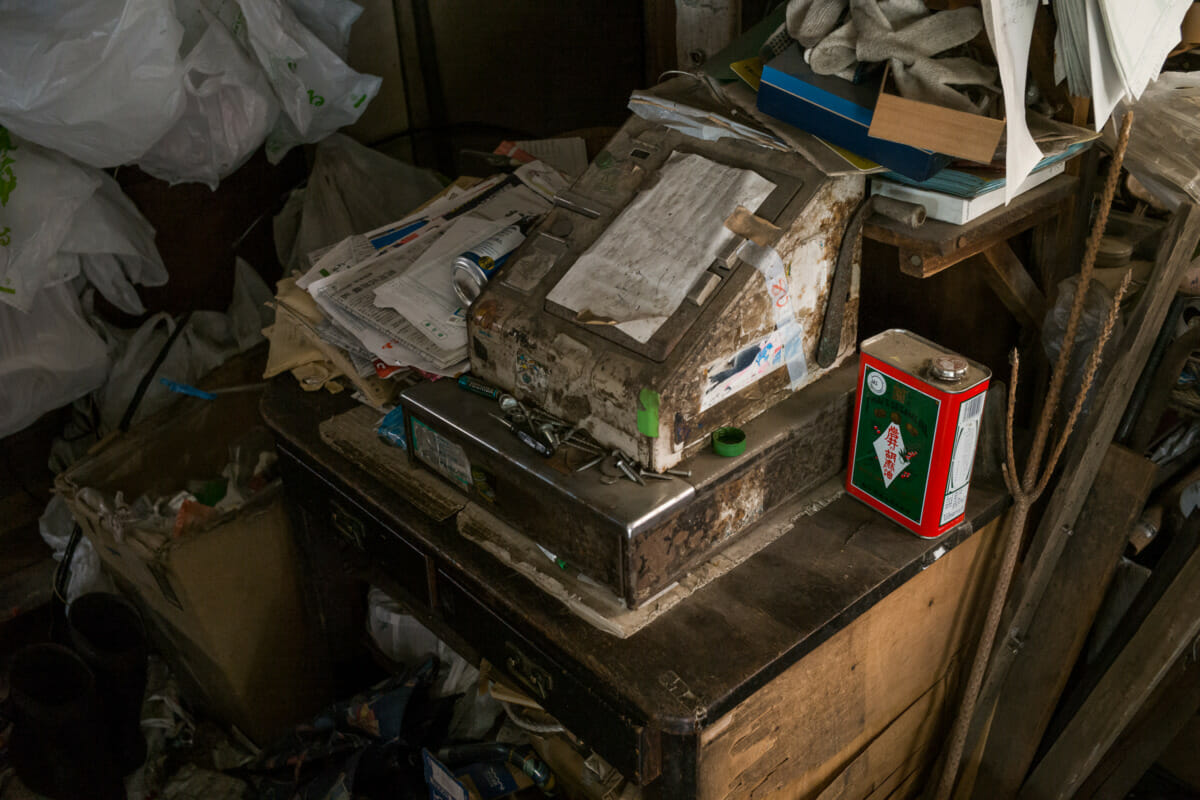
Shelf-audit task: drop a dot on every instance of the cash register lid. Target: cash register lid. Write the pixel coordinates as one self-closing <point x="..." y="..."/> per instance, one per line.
<point x="717" y="273"/>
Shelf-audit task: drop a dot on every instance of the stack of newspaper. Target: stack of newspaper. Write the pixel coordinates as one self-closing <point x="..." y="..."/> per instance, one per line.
<point x="1111" y="49"/>
<point x="388" y="294"/>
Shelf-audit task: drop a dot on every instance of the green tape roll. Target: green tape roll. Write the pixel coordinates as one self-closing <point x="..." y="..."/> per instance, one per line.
<point x="729" y="442"/>
<point x="647" y="413"/>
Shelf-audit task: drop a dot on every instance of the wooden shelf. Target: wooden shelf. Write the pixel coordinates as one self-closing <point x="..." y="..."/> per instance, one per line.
<point x="936" y="245"/>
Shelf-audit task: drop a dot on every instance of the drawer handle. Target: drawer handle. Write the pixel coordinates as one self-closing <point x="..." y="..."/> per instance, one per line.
<point x="530" y="675"/>
<point x="346" y="524"/>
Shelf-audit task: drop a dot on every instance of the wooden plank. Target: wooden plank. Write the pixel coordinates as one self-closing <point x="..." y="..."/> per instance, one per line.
<point x="1085" y="453"/>
<point x="1007" y="277"/>
<point x="1161" y="382"/>
<point x="1163" y="638"/>
<point x="899" y="752"/>
<point x="1173" y="705"/>
<point x="938" y="245"/>
<point x="1180" y="546"/>
<point x="1179" y="758"/>
<point x="704" y="29"/>
<point x="1060" y="627"/>
<point x="799" y="732"/>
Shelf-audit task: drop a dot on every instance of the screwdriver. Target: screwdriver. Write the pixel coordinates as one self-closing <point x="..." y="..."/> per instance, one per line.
<point x="541" y="448"/>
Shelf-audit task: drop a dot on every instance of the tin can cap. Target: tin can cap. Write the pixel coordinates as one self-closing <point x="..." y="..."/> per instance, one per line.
<point x="948" y="368"/>
<point x="729" y="442"/>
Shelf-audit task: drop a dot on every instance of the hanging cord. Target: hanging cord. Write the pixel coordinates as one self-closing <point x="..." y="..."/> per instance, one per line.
<point x="62" y="576"/>
<point x="144" y="384"/>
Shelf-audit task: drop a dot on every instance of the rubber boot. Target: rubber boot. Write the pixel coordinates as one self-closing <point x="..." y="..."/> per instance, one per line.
<point x="107" y="633"/>
<point x="60" y="745"/>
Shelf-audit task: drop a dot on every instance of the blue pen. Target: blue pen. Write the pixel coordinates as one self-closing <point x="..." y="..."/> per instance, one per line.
<point x="389" y="237"/>
<point x="192" y="391"/>
<point x="183" y="388"/>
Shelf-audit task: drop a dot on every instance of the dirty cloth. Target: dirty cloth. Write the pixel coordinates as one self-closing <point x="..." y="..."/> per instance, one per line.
<point x="902" y="33"/>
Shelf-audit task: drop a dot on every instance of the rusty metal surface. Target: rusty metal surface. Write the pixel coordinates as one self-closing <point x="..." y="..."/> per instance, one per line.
<point x="729" y="507"/>
<point x="634" y="539"/>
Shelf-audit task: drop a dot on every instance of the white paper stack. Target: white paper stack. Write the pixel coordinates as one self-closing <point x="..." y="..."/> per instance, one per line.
<point x="388" y="294"/>
<point x="1111" y="49"/>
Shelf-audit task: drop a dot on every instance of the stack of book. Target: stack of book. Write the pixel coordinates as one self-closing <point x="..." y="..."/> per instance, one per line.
<point x="958" y="196"/>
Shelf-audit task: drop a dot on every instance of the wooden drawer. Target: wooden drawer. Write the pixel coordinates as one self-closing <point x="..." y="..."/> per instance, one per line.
<point x="624" y="742"/>
<point x="366" y="542"/>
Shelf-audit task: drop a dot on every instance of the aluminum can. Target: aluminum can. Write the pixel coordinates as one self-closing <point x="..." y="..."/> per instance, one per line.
<point x="916" y="423"/>
<point x="475" y="267"/>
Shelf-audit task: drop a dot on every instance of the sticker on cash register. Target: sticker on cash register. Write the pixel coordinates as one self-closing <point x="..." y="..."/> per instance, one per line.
<point x="440" y="454"/>
<point x="726" y="377"/>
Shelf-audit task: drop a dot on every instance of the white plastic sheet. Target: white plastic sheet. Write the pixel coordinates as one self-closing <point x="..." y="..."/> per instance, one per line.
<point x="211" y="337"/>
<point x="318" y="91"/>
<point x="228" y="110"/>
<point x="59" y="219"/>
<point x="48" y="357"/>
<point x="40" y="191"/>
<point x="351" y="189"/>
<point x="99" y="81"/>
<point x="115" y="246"/>
<point x="330" y="20"/>
<point x="86" y="574"/>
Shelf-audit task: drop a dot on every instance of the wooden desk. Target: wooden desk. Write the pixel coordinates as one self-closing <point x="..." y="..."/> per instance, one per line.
<point x="819" y="667"/>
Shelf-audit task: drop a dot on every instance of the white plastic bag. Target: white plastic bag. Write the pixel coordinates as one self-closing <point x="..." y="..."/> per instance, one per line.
<point x="405" y="640"/>
<point x="330" y="20"/>
<point x="228" y="109"/>
<point x="48" y="357"/>
<point x="40" y="191"/>
<point x="210" y="338"/>
<point x="86" y="573"/>
<point x="318" y="91"/>
<point x="59" y="219"/>
<point x="115" y="246"/>
<point x="351" y="189"/>
<point x="99" y="81"/>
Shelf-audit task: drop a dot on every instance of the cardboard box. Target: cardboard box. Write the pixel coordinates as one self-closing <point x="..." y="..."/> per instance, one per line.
<point x="223" y="605"/>
<point x="913" y="138"/>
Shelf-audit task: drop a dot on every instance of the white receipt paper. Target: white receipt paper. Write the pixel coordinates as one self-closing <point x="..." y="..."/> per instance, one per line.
<point x="640" y="270"/>
<point x="1009" y="25"/>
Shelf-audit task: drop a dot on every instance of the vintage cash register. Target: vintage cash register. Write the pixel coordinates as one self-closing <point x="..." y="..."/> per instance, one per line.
<point x="678" y="287"/>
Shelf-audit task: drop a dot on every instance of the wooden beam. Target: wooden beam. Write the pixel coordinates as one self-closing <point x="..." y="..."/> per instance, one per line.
<point x="1161" y="383"/>
<point x="1085" y="453"/>
<point x="1163" y="639"/>
<point x="1183" y="543"/>
<point x="1149" y="735"/>
<point x="1007" y="277"/>
<point x="1060" y="627"/>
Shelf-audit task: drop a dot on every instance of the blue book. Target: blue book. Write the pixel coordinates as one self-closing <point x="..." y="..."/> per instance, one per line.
<point x="839" y="112"/>
<point x="970" y="183"/>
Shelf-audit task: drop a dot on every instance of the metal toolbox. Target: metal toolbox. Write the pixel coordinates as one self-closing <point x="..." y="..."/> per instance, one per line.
<point x="635" y="540"/>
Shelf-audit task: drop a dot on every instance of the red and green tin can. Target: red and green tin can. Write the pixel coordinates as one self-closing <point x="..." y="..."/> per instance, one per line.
<point x="916" y="423"/>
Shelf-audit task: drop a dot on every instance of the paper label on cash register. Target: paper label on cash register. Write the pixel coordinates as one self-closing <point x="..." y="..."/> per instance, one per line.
<point x="442" y="455"/>
<point x="639" y="271"/>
